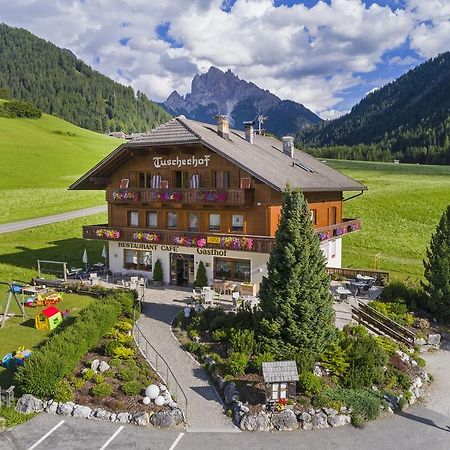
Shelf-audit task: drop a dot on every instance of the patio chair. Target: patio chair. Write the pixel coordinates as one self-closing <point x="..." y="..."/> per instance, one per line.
<point x="209" y="298"/>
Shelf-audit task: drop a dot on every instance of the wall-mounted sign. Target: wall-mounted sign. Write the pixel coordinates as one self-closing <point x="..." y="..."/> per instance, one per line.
<point x="213" y="239"/>
<point x="159" y="161"/>
<point x="170" y="248"/>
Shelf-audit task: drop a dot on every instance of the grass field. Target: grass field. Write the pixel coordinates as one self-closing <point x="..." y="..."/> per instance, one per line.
<point x="399" y="211"/>
<point x="40" y="159"/>
<point x="20" y="332"/>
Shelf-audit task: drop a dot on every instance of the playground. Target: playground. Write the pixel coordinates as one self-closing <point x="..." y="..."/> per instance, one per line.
<point x="31" y="330"/>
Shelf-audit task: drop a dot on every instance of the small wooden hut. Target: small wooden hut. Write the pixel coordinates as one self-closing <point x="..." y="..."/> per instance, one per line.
<point x="280" y="378"/>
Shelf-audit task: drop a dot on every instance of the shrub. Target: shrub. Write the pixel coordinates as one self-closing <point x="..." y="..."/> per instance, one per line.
<point x="131" y="388"/>
<point x="220" y="335"/>
<point x="336" y="360"/>
<point x="99" y="378"/>
<point x="201" y="280"/>
<point x="411" y="295"/>
<point x="62" y="351"/>
<point x="126" y="374"/>
<point x="260" y="358"/>
<point x="236" y="364"/>
<point x="158" y="272"/>
<point x="101" y="390"/>
<point x="123" y="326"/>
<point x="78" y="383"/>
<point x="115" y="362"/>
<point x="192" y="347"/>
<point x="243" y="341"/>
<point x="193" y="332"/>
<point x="367" y="360"/>
<point x="110" y="346"/>
<point x="310" y="384"/>
<point x="89" y="374"/>
<point x="63" y="392"/>
<point x="387" y="344"/>
<point x="124" y="352"/>
<point x="396" y="378"/>
<point x="396" y="311"/>
<point x="16" y="108"/>
<point x="14" y="418"/>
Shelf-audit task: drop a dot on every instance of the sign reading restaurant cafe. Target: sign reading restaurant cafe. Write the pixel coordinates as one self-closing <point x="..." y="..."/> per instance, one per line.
<point x="170" y="248"/>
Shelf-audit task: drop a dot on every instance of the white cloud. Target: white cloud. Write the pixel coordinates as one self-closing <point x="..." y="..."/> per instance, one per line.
<point x="311" y="55"/>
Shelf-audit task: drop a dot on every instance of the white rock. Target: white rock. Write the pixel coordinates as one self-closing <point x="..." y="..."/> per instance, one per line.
<point x="95" y="364"/>
<point x="81" y="411"/>
<point x="152" y="391"/>
<point x="162" y="388"/>
<point x="123" y="417"/>
<point x="104" y="366"/>
<point x="146" y="400"/>
<point x="417" y="383"/>
<point x="434" y="339"/>
<point x="159" y="401"/>
<point x="403" y="356"/>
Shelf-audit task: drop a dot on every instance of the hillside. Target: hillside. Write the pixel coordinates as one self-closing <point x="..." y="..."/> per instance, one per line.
<point x="408" y="119"/>
<point x="34" y="70"/>
<point x="216" y="92"/>
<point x="40" y="158"/>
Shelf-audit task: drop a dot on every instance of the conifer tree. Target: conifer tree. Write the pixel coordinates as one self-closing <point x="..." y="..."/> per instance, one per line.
<point x="201" y="280"/>
<point x="437" y="270"/>
<point x="296" y="304"/>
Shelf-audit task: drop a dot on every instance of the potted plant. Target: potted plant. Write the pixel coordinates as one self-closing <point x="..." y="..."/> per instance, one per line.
<point x="201" y="280"/>
<point x="158" y="273"/>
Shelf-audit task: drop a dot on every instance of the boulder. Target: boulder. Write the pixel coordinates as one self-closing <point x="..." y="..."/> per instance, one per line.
<point x="307" y="426"/>
<point x="417" y="383"/>
<point x="162" y="388"/>
<point x="239" y="410"/>
<point x="146" y="401"/>
<point x="66" y="409"/>
<point x="173" y="405"/>
<point x="319" y="420"/>
<point x="304" y="417"/>
<point x="329" y="411"/>
<point x="95" y="364"/>
<point x="419" y="341"/>
<point x="417" y="392"/>
<point x="317" y="370"/>
<point x="231" y="393"/>
<point x="285" y="420"/>
<point x="423" y="374"/>
<point x="104" y="366"/>
<point x="167" y="419"/>
<point x="167" y="397"/>
<point x="434" y="339"/>
<point x="102" y="414"/>
<point x="403" y="356"/>
<point x="52" y="407"/>
<point x="256" y="422"/>
<point x="29" y="404"/>
<point x="339" y="420"/>
<point x="113" y="417"/>
<point x="123" y="417"/>
<point x="81" y="411"/>
<point x="141" y="418"/>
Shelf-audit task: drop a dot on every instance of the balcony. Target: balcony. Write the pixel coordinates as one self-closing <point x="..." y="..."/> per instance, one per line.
<point x="338" y="230"/>
<point x="247" y="243"/>
<point x="234" y="197"/>
<point x="258" y="244"/>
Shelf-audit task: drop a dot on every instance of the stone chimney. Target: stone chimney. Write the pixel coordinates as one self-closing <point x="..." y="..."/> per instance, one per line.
<point x="288" y="146"/>
<point x="223" y="126"/>
<point x="248" y="126"/>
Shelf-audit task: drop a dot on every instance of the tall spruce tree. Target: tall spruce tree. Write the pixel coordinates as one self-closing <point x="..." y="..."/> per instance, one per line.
<point x="437" y="270"/>
<point x="296" y="304"/>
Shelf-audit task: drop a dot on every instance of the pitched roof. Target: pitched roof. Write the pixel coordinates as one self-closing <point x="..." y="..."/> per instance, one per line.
<point x="279" y="371"/>
<point x="264" y="159"/>
<point x="50" y="311"/>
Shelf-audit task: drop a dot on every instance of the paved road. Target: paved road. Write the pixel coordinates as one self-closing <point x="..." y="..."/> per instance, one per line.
<point x="38" y="221"/>
<point x="418" y="428"/>
<point x="438" y="364"/>
<point x="205" y="410"/>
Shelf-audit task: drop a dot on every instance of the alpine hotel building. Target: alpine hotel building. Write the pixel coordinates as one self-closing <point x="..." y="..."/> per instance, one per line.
<point x="188" y="192"/>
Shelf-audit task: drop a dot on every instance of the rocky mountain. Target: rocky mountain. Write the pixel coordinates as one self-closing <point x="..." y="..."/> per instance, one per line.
<point x="217" y="92"/>
<point x="55" y="80"/>
<point x="407" y="119"/>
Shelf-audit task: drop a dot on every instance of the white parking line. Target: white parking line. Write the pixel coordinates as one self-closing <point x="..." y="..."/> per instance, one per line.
<point x="112" y="438"/>
<point x="176" y="441"/>
<point x="46" y="435"/>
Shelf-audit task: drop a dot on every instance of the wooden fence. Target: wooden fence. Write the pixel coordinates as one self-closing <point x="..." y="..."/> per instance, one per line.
<point x="382" y="278"/>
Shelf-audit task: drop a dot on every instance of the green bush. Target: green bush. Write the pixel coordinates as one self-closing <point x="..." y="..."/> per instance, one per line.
<point x="110" y="346"/>
<point x="101" y="390"/>
<point x="365" y="403"/>
<point x="201" y="280"/>
<point x="89" y="374"/>
<point x="123" y="326"/>
<point x="243" y="341"/>
<point x="15" y="108"/>
<point x="124" y="352"/>
<point x="413" y="296"/>
<point x="14" y="418"/>
<point x="193" y="332"/>
<point x="132" y="388"/>
<point x="127" y="374"/>
<point x="158" y="272"/>
<point x="310" y="384"/>
<point x="63" y="392"/>
<point x="115" y="362"/>
<point x="62" y="351"/>
<point x="260" y="358"/>
<point x="236" y="363"/>
<point x="192" y="347"/>
<point x="220" y="335"/>
<point x="396" y="311"/>
<point x="387" y="344"/>
<point x="395" y="378"/>
<point x="336" y="360"/>
<point x="99" y="378"/>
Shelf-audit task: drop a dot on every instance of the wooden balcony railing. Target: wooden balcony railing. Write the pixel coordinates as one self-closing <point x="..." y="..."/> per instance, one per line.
<point x="258" y="244"/>
<point x="238" y="197"/>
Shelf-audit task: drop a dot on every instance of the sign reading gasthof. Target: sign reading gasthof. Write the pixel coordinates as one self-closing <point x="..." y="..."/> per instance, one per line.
<point x="192" y="161"/>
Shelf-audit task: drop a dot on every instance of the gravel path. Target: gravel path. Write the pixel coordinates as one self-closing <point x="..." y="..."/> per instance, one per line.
<point x="205" y="408"/>
<point x="438" y="364"/>
<point x="38" y="221"/>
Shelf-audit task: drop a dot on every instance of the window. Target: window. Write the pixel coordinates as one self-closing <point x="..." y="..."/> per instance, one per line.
<point x="137" y="260"/>
<point x="195" y="181"/>
<point x="172" y="220"/>
<point x="237" y="222"/>
<point x="145" y="180"/>
<point x="221" y="179"/>
<point x="232" y="269"/>
<point x="152" y="219"/>
<point x="193" y="221"/>
<point x="181" y="179"/>
<point x="279" y="390"/>
<point x="214" y="222"/>
<point x="332" y="213"/>
<point x="133" y="218"/>
<point x="313" y="215"/>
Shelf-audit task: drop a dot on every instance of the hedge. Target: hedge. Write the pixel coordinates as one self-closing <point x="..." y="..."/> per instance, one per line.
<point x="60" y="354"/>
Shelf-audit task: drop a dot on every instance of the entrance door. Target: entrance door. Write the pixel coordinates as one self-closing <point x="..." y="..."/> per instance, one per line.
<point x="181" y="269"/>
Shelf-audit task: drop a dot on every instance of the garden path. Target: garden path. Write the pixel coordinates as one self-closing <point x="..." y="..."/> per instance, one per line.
<point x="205" y="408"/>
<point x="438" y="364"/>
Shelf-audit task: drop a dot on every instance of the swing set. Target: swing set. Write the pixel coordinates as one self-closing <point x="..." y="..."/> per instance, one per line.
<point x="13" y="290"/>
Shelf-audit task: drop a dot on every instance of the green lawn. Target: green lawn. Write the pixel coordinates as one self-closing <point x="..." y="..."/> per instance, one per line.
<point x="399" y="211"/>
<point x="19" y="332"/>
<point x="40" y="159"/>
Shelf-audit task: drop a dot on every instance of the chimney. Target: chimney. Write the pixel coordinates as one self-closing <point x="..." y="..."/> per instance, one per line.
<point x="288" y="146"/>
<point x="223" y="129"/>
<point x="248" y="126"/>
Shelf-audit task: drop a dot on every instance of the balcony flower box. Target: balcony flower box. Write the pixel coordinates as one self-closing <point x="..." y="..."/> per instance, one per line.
<point x="236" y="243"/>
<point x="190" y="241"/>
<point x="211" y="196"/>
<point x="128" y="196"/>
<point x="146" y="237"/>
<point x="105" y="233"/>
<point x="165" y="196"/>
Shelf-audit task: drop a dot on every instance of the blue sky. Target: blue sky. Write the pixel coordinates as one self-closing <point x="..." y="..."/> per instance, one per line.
<point x="326" y="54"/>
